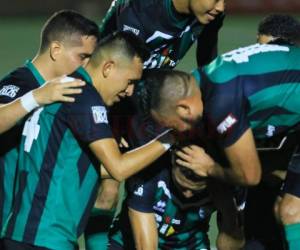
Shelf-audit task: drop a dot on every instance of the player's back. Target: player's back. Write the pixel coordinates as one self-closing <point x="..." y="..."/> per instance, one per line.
<point x="263" y="81"/>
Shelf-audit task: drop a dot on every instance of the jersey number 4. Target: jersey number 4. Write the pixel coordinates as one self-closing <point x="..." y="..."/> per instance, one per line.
<point x="31" y="129"/>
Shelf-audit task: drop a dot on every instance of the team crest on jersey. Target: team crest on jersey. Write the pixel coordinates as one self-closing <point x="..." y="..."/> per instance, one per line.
<point x="160" y="206"/>
<point x="99" y="114"/>
<point x="9" y="90"/>
<point x="226" y="124"/>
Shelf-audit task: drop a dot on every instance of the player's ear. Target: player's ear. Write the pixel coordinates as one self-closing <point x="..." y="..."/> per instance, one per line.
<point x="183" y="108"/>
<point x="107" y="68"/>
<point x="55" y="50"/>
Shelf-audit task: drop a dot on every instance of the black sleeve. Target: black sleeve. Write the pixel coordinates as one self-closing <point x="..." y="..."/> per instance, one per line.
<point x="87" y="117"/>
<point x="226" y="112"/>
<point x="141" y="193"/>
<point x="16" y="84"/>
<point x="207" y="42"/>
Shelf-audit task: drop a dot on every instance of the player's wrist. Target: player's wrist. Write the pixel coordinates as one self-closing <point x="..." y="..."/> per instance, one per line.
<point x="29" y="102"/>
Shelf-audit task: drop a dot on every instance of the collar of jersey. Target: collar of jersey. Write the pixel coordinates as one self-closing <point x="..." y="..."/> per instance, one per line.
<point x="85" y="75"/>
<point x="35" y="72"/>
<point x="196" y="73"/>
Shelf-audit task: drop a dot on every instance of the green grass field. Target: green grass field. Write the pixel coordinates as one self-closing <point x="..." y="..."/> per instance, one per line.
<point x="20" y="39"/>
<point x="20" y="36"/>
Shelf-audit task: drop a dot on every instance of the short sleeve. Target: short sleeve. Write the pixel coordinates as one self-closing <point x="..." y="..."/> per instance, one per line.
<point x="141" y="194"/>
<point x="87" y="117"/>
<point x="225" y="110"/>
<point x="16" y="84"/>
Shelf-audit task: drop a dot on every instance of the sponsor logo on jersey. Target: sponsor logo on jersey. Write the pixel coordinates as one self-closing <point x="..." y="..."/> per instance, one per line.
<point x="160" y="206"/>
<point x="163" y="228"/>
<point x="176" y="221"/>
<point x="170" y="231"/>
<point x="270" y="130"/>
<point x="163" y="185"/>
<point x="9" y="90"/>
<point x="158" y="218"/>
<point x="226" y="124"/>
<point x="139" y="191"/>
<point x="99" y="114"/>
<point x="133" y="30"/>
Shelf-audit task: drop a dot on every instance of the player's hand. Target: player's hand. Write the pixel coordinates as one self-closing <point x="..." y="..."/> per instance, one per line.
<point x="195" y="158"/>
<point x="57" y="90"/>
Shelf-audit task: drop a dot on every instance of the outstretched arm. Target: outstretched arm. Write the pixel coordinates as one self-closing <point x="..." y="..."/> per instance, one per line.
<point x="52" y="91"/>
<point x="121" y="166"/>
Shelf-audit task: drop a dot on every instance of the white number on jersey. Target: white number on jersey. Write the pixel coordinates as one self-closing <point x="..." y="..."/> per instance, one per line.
<point x="31" y="129"/>
<point x="242" y="55"/>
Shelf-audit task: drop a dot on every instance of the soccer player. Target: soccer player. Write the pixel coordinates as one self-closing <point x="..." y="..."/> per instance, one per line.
<point x="274" y="160"/>
<point x="67" y="41"/>
<point x="170" y="208"/>
<point x="252" y="92"/>
<point x="62" y="147"/>
<point x="53" y="91"/>
<point x="169" y="28"/>
<point x="279" y="26"/>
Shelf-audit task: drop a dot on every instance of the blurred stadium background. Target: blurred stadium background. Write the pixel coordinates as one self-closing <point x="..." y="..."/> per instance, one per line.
<point x="21" y="21"/>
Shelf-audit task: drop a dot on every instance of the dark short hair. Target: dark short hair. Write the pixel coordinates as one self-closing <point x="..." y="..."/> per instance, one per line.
<point x="125" y="43"/>
<point x="281" y="26"/>
<point x="63" y="25"/>
<point x="163" y="87"/>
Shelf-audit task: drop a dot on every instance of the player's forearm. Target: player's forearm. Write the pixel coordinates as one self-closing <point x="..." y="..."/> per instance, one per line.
<point x="229" y="175"/>
<point x="10" y="114"/>
<point x="134" y="161"/>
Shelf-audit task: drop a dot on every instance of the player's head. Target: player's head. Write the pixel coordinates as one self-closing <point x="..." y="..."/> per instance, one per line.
<point x="185" y="180"/>
<point x="68" y="39"/>
<point x="174" y="98"/>
<point x="279" y="26"/>
<point x="206" y="10"/>
<point x="116" y="64"/>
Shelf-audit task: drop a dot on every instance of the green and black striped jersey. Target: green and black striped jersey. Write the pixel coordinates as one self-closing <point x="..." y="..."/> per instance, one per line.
<point x="58" y="177"/>
<point x="182" y="223"/>
<point x="14" y="85"/>
<point x="254" y="87"/>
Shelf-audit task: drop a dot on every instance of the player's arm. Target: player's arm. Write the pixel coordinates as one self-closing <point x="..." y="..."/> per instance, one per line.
<point x="121" y="166"/>
<point x="207" y="42"/>
<point x="144" y="229"/>
<point x="245" y="168"/>
<point x="53" y="91"/>
<point x="230" y="235"/>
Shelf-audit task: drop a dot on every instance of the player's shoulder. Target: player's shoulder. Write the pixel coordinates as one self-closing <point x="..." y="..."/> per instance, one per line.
<point x="89" y="93"/>
<point x="18" y="80"/>
<point x="21" y="75"/>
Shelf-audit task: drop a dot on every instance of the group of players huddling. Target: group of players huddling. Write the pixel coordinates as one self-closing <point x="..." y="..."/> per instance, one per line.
<point x="223" y="138"/>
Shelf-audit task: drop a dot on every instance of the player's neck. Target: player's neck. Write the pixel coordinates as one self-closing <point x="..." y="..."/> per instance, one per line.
<point x="181" y="6"/>
<point x="44" y="67"/>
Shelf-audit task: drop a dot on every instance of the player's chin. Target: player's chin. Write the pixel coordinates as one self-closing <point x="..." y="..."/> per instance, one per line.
<point x="208" y="18"/>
